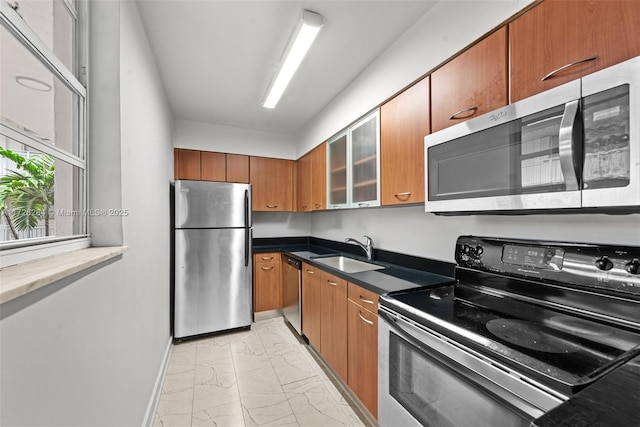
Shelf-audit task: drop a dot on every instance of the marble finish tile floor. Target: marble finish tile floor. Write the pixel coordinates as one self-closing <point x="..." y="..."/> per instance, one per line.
<point x="259" y="377"/>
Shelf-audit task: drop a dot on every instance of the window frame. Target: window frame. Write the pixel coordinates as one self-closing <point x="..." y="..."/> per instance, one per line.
<point x="17" y="251"/>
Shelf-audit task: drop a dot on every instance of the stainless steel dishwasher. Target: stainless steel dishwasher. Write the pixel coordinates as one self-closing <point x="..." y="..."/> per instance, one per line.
<point x="292" y="292"/>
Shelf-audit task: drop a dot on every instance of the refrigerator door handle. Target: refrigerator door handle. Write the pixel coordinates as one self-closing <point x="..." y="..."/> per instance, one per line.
<point x="247" y="212"/>
<point x="247" y="245"/>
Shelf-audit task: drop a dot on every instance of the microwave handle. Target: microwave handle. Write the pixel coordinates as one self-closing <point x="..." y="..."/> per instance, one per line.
<point x="570" y="151"/>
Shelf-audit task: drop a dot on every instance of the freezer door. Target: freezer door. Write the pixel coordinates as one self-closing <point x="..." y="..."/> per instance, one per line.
<point x="213" y="289"/>
<point x="202" y="204"/>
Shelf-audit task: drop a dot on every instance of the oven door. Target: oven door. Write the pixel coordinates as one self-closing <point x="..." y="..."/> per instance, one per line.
<point x="424" y="379"/>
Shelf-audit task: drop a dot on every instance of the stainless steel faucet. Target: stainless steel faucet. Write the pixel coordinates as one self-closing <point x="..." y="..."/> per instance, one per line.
<point x="368" y="247"/>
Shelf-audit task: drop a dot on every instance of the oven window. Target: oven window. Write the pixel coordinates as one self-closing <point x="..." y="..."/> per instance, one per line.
<point x="438" y="396"/>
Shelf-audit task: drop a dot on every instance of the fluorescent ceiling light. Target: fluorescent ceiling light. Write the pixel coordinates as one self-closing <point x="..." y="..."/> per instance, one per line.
<point x="299" y="44"/>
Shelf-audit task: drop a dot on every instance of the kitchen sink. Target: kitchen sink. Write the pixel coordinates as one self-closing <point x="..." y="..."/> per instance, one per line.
<point x="346" y="264"/>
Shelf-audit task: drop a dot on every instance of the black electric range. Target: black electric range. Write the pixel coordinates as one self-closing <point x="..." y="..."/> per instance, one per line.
<point x="563" y="315"/>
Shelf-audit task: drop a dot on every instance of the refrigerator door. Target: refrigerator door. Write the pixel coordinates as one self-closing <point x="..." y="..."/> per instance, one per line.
<point x="213" y="280"/>
<point x="202" y="204"/>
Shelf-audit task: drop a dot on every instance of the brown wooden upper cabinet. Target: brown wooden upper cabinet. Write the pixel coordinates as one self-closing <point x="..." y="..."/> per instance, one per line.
<point x="186" y="164"/>
<point x="404" y="121"/>
<point x="237" y="168"/>
<point x="319" y="177"/>
<point x="213" y="166"/>
<point x="303" y="184"/>
<point x="471" y="84"/>
<point x="272" y="181"/>
<point x="209" y="166"/>
<point x="561" y="40"/>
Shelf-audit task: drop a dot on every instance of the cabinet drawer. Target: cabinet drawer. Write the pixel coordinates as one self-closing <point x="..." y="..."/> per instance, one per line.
<point x="363" y="297"/>
<point x="267" y="257"/>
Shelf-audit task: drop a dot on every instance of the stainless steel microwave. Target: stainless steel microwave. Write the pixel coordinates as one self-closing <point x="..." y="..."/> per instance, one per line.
<point x="573" y="146"/>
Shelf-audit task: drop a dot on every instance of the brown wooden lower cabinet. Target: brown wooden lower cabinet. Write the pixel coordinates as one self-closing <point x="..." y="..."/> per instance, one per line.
<point x="267" y="291"/>
<point x="333" y="323"/>
<point x="339" y="320"/>
<point x="311" y="283"/>
<point x="362" y="355"/>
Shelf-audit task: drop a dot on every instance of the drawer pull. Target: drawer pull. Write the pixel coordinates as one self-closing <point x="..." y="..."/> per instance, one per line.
<point x="363" y="205"/>
<point x="267" y="268"/>
<point x="365" y="320"/>
<point x="272" y="206"/>
<point x="564" y="67"/>
<point x="267" y="258"/>
<point x="332" y="283"/>
<point x="311" y="272"/>
<point x="368" y="301"/>
<point x="406" y="195"/>
<point x="469" y="112"/>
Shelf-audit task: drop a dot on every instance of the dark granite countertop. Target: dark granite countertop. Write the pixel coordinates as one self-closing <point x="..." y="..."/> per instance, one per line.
<point x="614" y="400"/>
<point x="393" y="277"/>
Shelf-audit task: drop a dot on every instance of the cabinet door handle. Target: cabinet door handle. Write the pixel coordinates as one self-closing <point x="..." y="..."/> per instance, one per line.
<point x="363" y="319"/>
<point x="267" y="258"/>
<point x="470" y="112"/>
<point x="272" y="206"/>
<point x="401" y="195"/>
<point x="318" y="205"/>
<point x="304" y="208"/>
<point x="572" y="64"/>
<point x="368" y="301"/>
<point x="311" y="272"/>
<point x="267" y="268"/>
<point x="363" y="205"/>
<point x="332" y="283"/>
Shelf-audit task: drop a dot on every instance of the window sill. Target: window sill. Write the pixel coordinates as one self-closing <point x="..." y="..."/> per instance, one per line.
<point x="26" y="277"/>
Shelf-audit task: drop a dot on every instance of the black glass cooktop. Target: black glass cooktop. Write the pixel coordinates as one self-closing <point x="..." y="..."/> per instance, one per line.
<point x="564" y="351"/>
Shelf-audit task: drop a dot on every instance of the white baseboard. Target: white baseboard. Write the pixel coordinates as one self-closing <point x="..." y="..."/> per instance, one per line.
<point x="152" y="406"/>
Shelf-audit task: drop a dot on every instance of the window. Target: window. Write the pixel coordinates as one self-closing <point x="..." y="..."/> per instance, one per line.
<point x="42" y="121"/>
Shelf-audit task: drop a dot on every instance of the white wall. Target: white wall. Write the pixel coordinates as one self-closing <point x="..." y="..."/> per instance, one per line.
<point x="87" y="349"/>
<point x="228" y="139"/>
<point x="445" y="30"/>
<point x="281" y="224"/>
<point x="411" y="230"/>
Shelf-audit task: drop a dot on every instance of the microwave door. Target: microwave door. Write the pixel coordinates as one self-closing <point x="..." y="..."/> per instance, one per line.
<point x="611" y="112"/>
<point x="509" y="159"/>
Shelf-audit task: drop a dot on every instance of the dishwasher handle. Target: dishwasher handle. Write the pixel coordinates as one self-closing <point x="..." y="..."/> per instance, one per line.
<point x="294" y="263"/>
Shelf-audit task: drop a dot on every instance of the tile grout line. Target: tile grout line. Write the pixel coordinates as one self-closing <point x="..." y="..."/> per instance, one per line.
<point x="274" y="370"/>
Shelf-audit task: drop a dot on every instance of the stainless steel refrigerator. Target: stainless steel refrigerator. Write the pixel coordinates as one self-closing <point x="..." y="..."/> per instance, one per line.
<point x="213" y="268"/>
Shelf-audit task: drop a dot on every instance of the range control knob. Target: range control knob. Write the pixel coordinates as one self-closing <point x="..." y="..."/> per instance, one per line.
<point x="604" y="263"/>
<point x="479" y="250"/>
<point x="466" y="249"/>
<point x="633" y="267"/>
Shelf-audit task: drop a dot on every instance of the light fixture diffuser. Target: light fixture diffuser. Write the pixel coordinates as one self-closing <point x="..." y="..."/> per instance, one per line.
<point x="299" y="44"/>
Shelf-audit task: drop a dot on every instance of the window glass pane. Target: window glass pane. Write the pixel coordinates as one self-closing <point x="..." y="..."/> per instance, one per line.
<point x="54" y="25"/>
<point x="34" y="100"/>
<point x="41" y="195"/>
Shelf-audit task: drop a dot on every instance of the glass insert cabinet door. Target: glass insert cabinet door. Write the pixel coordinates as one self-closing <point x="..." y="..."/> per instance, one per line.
<point x="364" y="161"/>
<point x="337" y="170"/>
<point x="353" y="165"/>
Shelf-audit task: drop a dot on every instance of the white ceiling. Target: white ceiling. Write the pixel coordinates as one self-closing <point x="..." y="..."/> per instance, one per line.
<point x="217" y="58"/>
